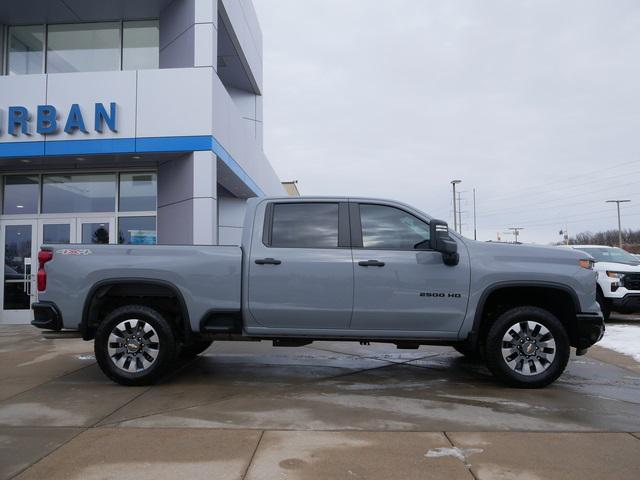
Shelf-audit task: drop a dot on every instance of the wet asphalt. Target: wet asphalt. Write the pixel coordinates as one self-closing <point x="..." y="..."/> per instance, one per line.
<point x="250" y="410"/>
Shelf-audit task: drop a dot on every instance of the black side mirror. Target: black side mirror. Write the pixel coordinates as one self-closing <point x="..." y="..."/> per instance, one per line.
<point x="443" y="243"/>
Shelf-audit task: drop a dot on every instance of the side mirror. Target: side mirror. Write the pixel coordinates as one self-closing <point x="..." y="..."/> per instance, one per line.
<point x="443" y="243"/>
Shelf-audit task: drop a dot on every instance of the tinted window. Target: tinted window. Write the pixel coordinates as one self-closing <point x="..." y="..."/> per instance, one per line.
<point x="138" y="191"/>
<point x="83" y="47"/>
<point x="21" y="194"/>
<point x="141" y="42"/>
<point x="389" y="228"/>
<point x="26" y="50"/>
<point x="79" y="193"/>
<point x="308" y="225"/>
<point x="137" y="230"/>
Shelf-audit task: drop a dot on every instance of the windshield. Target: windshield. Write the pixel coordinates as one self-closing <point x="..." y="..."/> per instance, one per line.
<point x="613" y="255"/>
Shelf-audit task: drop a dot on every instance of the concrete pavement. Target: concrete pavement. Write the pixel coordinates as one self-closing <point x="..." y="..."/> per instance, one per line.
<point x="328" y="410"/>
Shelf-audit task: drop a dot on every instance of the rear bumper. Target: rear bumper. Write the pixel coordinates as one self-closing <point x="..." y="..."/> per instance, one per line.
<point x="630" y="303"/>
<point x="590" y="329"/>
<point x="46" y="316"/>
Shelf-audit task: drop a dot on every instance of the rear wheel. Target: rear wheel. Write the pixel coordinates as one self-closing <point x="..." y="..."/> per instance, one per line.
<point x="135" y="345"/>
<point x="527" y="347"/>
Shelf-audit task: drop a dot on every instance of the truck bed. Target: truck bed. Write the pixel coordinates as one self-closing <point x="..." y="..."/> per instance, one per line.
<point x="207" y="277"/>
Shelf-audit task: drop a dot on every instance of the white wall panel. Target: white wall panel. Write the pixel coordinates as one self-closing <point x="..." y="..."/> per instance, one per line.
<point x="174" y="102"/>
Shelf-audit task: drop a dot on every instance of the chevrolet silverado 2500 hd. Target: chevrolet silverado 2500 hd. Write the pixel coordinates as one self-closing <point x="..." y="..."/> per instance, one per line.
<point x="340" y="269"/>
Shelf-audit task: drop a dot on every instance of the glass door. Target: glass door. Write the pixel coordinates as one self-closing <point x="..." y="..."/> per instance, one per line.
<point x="19" y="254"/>
<point x="96" y="230"/>
<point x="57" y="230"/>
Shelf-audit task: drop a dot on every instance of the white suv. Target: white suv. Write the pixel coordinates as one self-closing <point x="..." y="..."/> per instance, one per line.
<point x="618" y="278"/>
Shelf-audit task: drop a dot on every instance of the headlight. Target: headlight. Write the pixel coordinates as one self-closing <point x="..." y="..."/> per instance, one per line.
<point x="618" y="275"/>
<point x="586" y="264"/>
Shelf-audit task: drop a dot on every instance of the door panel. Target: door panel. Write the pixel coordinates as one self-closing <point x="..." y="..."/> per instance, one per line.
<point x="305" y="287"/>
<point x="413" y="291"/>
<point x="401" y="285"/>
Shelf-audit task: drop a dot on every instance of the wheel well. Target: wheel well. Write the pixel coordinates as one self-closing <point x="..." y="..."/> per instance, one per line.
<point x="106" y="297"/>
<point x="555" y="300"/>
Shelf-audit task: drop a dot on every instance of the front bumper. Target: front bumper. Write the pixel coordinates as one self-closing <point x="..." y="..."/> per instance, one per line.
<point x="590" y="329"/>
<point x="630" y="303"/>
<point x="46" y="316"/>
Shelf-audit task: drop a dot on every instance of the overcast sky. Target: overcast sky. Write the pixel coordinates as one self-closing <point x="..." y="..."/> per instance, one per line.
<point x="534" y="103"/>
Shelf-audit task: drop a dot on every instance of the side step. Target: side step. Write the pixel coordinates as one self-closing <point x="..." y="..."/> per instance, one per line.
<point x="291" y="342"/>
<point x="222" y="322"/>
<point x="53" y="335"/>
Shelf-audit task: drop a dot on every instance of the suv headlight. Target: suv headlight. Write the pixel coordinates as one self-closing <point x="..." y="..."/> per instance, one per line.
<point x="586" y="263"/>
<point x="618" y="275"/>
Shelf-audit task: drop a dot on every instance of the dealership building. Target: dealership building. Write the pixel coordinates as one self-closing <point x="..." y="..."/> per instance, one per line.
<point x="131" y="122"/>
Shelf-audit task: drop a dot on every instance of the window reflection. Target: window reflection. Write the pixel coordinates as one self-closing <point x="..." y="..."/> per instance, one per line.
<point x="83" y="47"/>
<point x="388" y="228"/>
<point x="138" y="191"/>
<point x="307" y="225"/>
<point x="79" y="193"/>
<point x="26" y="50"/>
<point x="21" y="193"/>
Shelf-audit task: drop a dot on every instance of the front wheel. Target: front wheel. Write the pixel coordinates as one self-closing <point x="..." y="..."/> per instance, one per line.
<point x="527" y="347"/>
<point x="135" y="345"/>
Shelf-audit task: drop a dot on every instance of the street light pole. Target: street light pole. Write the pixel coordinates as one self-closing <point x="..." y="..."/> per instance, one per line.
<point x="475" y="230"/>
<point x="455" y="216"/>
<point x="618" y="202"/>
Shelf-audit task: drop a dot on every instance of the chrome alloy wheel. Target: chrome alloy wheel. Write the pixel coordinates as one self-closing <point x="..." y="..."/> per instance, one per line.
<point x="528" y="348"/>
<point x="133" y="345"/>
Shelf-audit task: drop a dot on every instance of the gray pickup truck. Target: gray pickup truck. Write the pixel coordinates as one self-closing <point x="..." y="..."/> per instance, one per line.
<point x="339" y="269"/>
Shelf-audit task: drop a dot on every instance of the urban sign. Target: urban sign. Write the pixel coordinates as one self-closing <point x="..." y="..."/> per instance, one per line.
<point x="48" y="121"/>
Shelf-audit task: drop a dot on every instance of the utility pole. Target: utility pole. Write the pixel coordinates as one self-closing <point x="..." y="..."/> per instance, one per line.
<point x="460" y="211"/>
<point x="618" y="202"/>
<point x="455" y="215"/>
<point x="516" y="232"/>
<point x="475" y="230"/>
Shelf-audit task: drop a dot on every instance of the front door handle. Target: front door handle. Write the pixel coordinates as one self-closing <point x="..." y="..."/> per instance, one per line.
<point x="268" y="261"/>
<point x="371" y="263"/>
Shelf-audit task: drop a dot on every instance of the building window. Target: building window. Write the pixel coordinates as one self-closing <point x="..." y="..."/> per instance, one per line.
<point x="138" y="191"/>
<point x="305" y="225"/>
<point x="79" y="193"/>
<point x="21" y="194"/>
<point x="140" y="41"/>
<point x="83" y="47"/>
<point x="26" y="50"/>
<point x="137" y="230"/>
<point x="95" y="233"/>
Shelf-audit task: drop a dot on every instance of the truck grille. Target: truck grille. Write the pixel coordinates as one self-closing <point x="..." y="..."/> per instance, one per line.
<point x="632" y="281"/>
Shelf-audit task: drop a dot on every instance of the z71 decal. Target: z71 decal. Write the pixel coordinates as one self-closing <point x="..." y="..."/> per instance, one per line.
<point x="74" y="251"/>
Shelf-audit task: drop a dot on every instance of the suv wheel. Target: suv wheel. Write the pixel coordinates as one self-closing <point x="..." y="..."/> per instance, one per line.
<point x="527" y="347"/>
<point x="135" y="345"/>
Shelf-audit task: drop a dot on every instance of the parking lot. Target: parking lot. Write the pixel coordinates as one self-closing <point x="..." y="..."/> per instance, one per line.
<point x="328" y="410"/>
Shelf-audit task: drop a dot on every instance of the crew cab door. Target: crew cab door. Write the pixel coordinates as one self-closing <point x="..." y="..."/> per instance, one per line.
<point x="400" y="284"/>
<point x="300" y="268"/>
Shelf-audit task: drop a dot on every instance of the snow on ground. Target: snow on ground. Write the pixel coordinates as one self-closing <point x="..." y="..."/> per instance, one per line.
<point x="622" y="338"/>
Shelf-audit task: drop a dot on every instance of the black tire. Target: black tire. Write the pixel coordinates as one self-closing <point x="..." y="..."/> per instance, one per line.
<point x="195" y="348"/>
<point x="142" y="322"/>
<point x="469" y="353"/>
<point x="604" y="305"/>
<point x="541" y="367"/>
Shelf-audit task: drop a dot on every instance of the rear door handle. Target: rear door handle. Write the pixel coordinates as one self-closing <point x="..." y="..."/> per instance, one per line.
<point x="268" y="261"/>
<point x="371" y="263"/>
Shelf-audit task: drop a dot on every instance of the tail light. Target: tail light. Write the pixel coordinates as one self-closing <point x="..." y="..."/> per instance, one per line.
<point x="43" y="257"/>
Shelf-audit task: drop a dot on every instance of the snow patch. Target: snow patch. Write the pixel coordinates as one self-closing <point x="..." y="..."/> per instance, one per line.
<point x="622" y="338"/>
<point x="459" y="453"/>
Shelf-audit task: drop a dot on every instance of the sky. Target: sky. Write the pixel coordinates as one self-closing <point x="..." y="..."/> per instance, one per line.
<point x="534" y="103"/>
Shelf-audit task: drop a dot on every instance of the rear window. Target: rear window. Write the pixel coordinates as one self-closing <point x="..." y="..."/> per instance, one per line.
<point x="305" y="225"/>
